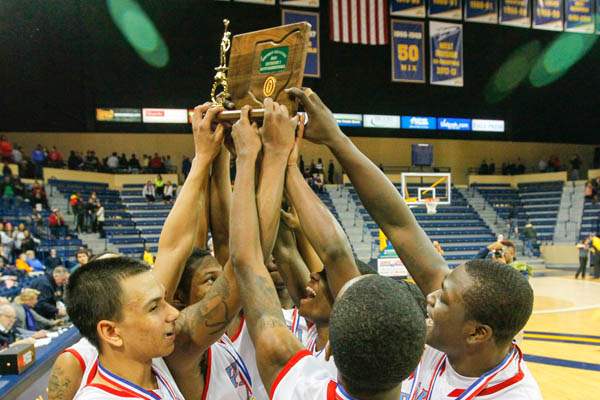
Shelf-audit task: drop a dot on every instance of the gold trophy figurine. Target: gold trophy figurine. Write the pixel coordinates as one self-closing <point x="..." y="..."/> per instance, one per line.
<point x="220" y="79"/>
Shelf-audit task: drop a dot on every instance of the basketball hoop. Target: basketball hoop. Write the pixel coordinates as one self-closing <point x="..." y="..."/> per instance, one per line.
<point x="431" y="205"/>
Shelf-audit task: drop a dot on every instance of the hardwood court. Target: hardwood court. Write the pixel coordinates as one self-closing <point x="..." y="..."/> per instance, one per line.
<point x="562" y="339"/>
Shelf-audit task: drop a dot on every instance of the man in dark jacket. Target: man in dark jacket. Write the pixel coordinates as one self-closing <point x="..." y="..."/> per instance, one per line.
<point x="50" y="302"/>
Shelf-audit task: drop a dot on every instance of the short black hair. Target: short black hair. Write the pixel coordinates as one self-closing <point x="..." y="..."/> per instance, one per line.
<point x="192" y="264"/>
<point x="500" y="297"/>
<point x="94" y="293"/>
<point x="377" y="334"/>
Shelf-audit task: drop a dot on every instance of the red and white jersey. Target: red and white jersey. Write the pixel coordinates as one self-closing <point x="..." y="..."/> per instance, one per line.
<point x="435" y="379"/>
<point x="123" y="389"/>
<point x="305" y="378"/>
<point x="87" y="354"/>
<point x="297" y="324"/>
<point x="329" y="365"/>
<point x="227" y="375"/>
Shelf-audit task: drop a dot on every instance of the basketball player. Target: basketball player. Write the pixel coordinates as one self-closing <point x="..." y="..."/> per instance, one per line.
<point x="371" y="366"/>
<point x="474" y="311"/>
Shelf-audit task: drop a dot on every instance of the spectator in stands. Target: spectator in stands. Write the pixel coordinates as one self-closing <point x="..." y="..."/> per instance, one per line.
<point x="17" y="154"/>
<point x="186" y="166"/>
<point x="83" y="257"/>
<point x="6" y="149"/>
<point x="38" y="195"/>
<point x="504" y="251"/>
<point x="147" y="256"/>
<point x="34" y="262"/>
<point x="38" y="157"/>
<point x="51" y="288"/>
<point x="19" y="188"/>
<point x="123" y="163"/>
<point x="319" y="166"/>
<point x="18" y="237"/>
<point x="22" y="265"/>
<point x="438" y="248"/>
<point x="145" y="161"/>
<point x="100" y="218"/>
<point x="168" y="164"/>
<point x="312" y="167"/>
<point x="27" y="318"/>
<point x="576" y="163"/>
<point x="55" y="158"/>
<point x="543" y="166"/>
<point x="513" y="222"/>
<point x="168" y="192"/>
<point x="520" y="167"/>
<point x="30" y="242"/>
<point x="159" y="186"/>
<point x="156" y="163"/>
<point x="554" y="164"/>
<point x="530" y="235"/>
<point x="148" y="192"/>
<point x="8" y="332"/>
<point x="589" y="191"/>
<point x="112" y="162"/>
<point x="9" y="285"/>
<point x="7" y="192"/>
<point x="134" y="163"/>
<point x="583" y="248"/>
<point x="75" y="161"/>
<point x="317" y="182"/>
<point x="330" y="172"/>
<point x="492" y="167"/>
<point x="90" y="212"/>
<point x="78" y="207"/>
<point x="91" y="161"/>
<point x="53" y="260"/>
<point x="6" y="241"/>
<point x="6" y="171"/>
<point x="483" y="168"/>
<point x="56" y="222"/>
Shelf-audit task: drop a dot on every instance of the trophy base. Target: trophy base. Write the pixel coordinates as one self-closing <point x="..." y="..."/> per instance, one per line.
<point x="234" y="115"/>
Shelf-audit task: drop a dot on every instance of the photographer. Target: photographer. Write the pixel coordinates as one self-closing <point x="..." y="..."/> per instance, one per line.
<point x="504" y="251"/>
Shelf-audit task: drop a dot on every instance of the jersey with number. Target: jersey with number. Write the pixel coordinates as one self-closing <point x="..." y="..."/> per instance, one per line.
<point x="224" y="378"/>
<point x="87" y="355"/>
<point x="435" y="379"/>
<point x="305" y="378"/>
<point x="296" y="323"/>
<point x="120" y="389"/>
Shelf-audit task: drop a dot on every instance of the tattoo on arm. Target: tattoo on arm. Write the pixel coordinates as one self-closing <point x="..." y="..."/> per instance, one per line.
<point x="59" y="385"/>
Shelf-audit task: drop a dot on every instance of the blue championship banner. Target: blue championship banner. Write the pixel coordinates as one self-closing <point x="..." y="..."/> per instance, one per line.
<point x="299" y="3"/>
<point x="579" y="16"/>
<point x="485" y="11"/>
<point x="445" y="9"/>
<point x="408" y="51"/>
<point x="515" y="13"/>
<point x="446" y="53"/>
<point x="313" y="58"/>
<point x="548" y="15"/>
<point x="407" y="8"/>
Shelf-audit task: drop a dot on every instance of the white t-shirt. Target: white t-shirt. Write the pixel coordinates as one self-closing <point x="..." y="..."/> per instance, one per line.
<point x="167" y="388"/>
<point x="513" y="380"/>
<point x="87" y="355"/>
<point x="305" y="378"/>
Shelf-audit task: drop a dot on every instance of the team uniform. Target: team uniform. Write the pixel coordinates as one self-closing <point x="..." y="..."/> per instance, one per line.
<point x="87" y="355"/>
<point x="305" y="378"/>
<point x="435" y="379"/>
<point x="121" y="388"/>
<point x="320" y="355"/>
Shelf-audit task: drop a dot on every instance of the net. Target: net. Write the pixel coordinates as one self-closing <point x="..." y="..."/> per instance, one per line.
<point x="431" y="205"/>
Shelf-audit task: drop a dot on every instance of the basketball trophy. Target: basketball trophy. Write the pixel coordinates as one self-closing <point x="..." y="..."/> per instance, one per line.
<point x="261" y="64"/>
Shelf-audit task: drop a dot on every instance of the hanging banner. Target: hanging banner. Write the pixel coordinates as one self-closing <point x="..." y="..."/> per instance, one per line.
<point x="407" y="8"/>
<point x="313" y="57"/>
<point x="300" y="3"/>
<point x="445" y="9"/>
<point x="548" y="15"/>
<point x="515" y="13"/>
<point x="485" y="11"/>
<point x="408" y="51"/>
<point x="579" y="16"/>
<point x="446" y="53"/>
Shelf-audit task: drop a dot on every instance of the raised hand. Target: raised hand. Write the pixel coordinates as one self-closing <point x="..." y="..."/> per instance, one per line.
<point x="322" y="127"/>
<point x="245" y="136"/>
<point x="207" y="142"/>
<point x="293" y="158"/>
<point x="278" y="129"/>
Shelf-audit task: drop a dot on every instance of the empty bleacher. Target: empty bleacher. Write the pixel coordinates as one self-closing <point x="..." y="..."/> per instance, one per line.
<point x="590" y="222"/>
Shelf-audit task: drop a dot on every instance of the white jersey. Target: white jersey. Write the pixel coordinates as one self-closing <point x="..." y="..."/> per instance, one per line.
<point x="435" y="379"/>
<point x="87" y="355"/>
<point x="122" y="389"/>
<point x="227" y="375"/>
<point x="305" y="378"/>
<point x="245" y="347"/>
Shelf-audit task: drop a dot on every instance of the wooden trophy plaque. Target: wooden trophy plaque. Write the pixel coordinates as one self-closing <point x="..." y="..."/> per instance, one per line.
<point x="264" y="63"/>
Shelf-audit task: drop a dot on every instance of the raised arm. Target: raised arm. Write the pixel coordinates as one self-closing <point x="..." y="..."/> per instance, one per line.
<point x="220" y="205"/>
<point x="322" y="231"/>
<point x="274" y="342"/>
<point x="378" y="195"/>
<point x="292" y="267"/>
<point x="181" y="227"/>
<point x="308" y="253"/>
<point x="277" y="135"/>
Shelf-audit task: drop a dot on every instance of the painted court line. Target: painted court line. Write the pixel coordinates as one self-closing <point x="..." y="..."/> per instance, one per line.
<point x="562" y="363"/>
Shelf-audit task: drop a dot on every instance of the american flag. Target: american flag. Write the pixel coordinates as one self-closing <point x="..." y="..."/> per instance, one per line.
<point x="359" y="21"/>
